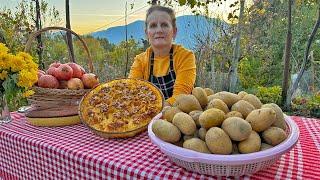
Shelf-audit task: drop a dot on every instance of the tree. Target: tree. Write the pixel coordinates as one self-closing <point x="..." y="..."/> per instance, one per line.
<point x="306" y="60"/>
<point x="39" y="39"/>
<point x="16" y="25"/>
<point x="233" y="72"/>
<point x="287" y="54"/>
<point x="68" y="34"/>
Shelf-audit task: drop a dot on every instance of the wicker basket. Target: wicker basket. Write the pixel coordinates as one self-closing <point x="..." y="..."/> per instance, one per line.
<point x="226" y="165"/>
<point x="47" y="98"/>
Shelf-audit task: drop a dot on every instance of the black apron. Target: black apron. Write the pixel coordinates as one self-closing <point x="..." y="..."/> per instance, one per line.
<point x="164" y="83"/>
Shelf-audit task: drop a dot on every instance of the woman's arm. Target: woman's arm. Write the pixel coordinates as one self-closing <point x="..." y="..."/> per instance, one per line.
<point x="136" y="70"/>
<point x="185" y="69"/>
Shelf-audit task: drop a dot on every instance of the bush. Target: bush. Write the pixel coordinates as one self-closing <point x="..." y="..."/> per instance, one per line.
<point x="307" y="106"/>
<point x="269" y="94"/>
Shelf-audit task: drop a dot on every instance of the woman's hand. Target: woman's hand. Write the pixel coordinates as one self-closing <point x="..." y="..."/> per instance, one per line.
<point x="166" y="104"/>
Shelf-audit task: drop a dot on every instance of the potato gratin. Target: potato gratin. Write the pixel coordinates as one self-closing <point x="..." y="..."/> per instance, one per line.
<point x="121" y="105"/>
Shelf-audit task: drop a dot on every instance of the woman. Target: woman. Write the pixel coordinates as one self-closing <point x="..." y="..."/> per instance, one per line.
<point x="169" y="66"/>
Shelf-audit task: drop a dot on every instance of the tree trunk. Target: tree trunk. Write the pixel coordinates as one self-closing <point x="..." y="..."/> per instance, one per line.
<point x="69" y="37"/>
<point x="39" y="39"/>
<point x="287" y="58"/>
<point x="212" y="73"/>
<point x="305" y="59"/>
<point x="233" y="71"/>
<point x="312" y="72"/>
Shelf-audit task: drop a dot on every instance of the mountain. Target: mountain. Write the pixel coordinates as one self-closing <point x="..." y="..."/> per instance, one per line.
<point x="188" y="27"/>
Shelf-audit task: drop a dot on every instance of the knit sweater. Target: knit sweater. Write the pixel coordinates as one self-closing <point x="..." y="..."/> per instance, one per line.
<point x="183" y="63"/>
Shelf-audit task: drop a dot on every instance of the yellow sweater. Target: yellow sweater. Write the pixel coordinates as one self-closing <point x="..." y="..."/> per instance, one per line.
<point x="183" y="63"/>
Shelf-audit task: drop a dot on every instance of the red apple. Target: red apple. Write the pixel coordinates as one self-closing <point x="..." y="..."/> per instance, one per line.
<point x="90" y="80"/>
<point x="75" y="84"/>
<point x="77" y="72"/>
<point x="52" y="71"/>
<point x="55" y="64"/>
<point x="64" y="72"/>
<point x="48" y="81"/>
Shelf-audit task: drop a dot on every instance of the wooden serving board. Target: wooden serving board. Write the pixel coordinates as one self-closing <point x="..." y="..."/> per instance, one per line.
<point x="61" y="111"/>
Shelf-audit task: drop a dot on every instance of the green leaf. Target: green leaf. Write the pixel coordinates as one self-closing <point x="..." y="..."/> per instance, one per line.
<point x="192" y="3"/>
<point x="182" y="2"/>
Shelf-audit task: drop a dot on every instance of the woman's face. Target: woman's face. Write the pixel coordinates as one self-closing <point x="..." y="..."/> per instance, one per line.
<point x="159" y="29"/>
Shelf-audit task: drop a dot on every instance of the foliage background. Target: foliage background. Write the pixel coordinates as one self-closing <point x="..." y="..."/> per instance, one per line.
<point x="260" y="68"/>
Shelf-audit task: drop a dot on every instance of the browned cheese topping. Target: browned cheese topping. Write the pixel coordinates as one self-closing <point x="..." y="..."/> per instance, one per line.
<point x="122" y="106"/>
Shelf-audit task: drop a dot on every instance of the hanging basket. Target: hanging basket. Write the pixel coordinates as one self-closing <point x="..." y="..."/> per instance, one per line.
<point x="47" y="102"/>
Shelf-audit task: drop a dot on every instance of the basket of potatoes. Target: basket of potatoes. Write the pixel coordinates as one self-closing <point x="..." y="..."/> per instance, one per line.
<point x="223" y="134"/>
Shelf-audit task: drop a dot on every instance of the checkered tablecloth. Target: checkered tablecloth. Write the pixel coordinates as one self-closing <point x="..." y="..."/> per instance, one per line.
<point x="28" y="152"/>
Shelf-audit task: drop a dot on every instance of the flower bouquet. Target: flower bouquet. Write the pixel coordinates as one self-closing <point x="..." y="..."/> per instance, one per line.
<point x="18" y="73"/>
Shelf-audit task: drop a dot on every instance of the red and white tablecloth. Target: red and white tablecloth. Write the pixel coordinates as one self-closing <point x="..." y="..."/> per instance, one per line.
<point x="28" y="152"/>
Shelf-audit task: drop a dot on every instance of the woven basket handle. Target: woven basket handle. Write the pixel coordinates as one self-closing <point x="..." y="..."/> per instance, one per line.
<point x="33" y="35"/>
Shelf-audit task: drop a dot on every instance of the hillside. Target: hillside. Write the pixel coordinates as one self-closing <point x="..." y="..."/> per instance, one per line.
<point x="188" y="27"/>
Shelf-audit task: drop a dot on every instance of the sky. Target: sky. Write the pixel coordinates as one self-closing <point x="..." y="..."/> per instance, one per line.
<point x="94" y="15"/>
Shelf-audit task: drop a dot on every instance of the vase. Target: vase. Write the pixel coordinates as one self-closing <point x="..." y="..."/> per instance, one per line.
<point x="5" y="116"/>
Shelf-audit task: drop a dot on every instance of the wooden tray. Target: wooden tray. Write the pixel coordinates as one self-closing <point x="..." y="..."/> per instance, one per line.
<point x="50" y="117"/>
<point x="54" y="121"/>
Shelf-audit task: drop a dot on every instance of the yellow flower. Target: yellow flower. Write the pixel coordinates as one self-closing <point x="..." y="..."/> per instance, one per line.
<point x="3" y="75"/>
<point x="29" y="63"/>
<point x="27" y="78"/>
<point x="5" y="61"/>
<point x="3" y="48"/>
<point x="28" y="93"/>
<point x="17" y="64"/>
<point x="22" y="66"/>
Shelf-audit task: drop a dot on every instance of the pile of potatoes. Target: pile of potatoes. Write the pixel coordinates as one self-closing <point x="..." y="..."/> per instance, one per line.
<point x="221" y="123"/>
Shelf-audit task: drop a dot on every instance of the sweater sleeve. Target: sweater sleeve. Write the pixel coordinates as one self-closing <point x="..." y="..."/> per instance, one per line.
<point x="137" y="70"/>
<point x="185" y="75"/>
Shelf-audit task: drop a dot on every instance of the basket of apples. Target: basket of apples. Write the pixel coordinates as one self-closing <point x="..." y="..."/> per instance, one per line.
<point x="61" y="86"/>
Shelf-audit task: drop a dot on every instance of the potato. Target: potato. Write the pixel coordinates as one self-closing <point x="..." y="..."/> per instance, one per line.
<point x="254" y="100"/>
<point x="211" y="117"/>
<point x="196" y="144"/>
<point x="234" y="114"/>
<point x="219" y="104"/>
<point x="187" y="103"/>
<point x="218" y="141"/>
<point x="251" y="144"/>
<point x="185" y="123"/>
<point x="202" y="133"/>
<point x="208" y="91"/>
<point x="166" y="131"/>
<point x="261" y="119"/>
<point x="211" y="97"/>
<point x="195" y="116"/>
<point x="238" y="129"/>
<point x="279" y="122"/>
<point x="265" y="146"/>
<point x="241" y="94"/>
<point x="274" y="135"/>
<point x="169" y="112"/>
<point x="243" y="107"/>
<point x="227" y="97"/>
<point x="201" y="95"/>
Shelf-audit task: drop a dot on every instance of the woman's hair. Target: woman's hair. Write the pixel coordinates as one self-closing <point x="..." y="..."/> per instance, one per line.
<point x="163" y="9"/>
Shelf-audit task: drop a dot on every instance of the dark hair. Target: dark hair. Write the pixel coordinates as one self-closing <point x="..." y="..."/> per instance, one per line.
<point x="163" y="9"/>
